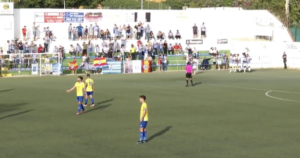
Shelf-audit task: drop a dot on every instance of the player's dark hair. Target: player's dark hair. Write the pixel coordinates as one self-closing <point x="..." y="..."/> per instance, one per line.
<point x="88" y="75"/>
<point x="189" y="63"/>
<point x="143" y="97"/>
<point x="81" y="78"/>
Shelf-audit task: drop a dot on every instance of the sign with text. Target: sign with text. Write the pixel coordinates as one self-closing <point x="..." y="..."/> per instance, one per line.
<point x="54" y="17"/>
<point x="6" y="8"/>
<point x="222" y="41"/>
<point x="133" y="66"/>
<point x="93" y="17"/>
<point x="39" y="17"/>
<point x="194" y="41"/>
<point x="74" y="17"/>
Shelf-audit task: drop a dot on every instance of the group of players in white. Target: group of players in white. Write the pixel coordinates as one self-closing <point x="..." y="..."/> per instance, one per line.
<point x="238" y="63"/>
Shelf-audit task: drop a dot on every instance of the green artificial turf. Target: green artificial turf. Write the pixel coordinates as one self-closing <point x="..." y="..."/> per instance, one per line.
<point x="226" y="115"/>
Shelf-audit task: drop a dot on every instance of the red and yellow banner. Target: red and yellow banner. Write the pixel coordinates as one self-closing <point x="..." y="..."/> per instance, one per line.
<point x="99" y="62"/>
<point x="146" y="66"/>
<point x="73" y="66"/>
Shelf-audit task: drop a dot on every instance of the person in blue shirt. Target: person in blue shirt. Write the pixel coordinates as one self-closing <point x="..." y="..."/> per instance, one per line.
<point x="79" y="29"/>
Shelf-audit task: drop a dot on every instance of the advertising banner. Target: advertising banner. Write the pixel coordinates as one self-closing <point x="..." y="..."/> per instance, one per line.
<point x="93" y="17"/>
<point x="46" y="68"/>
<point x="194" y="41"/>
<point x="133" y="66"/>
<point x="6" y="8"/>
<point x="113" y="67"/>
<point x="54" y="17"/>
<point x="74" y="17"/>
<point x="34" y="69"/>
<point x="146" y="66"/>
<point x="57" y="69"/>
<point x="222" y="41"/>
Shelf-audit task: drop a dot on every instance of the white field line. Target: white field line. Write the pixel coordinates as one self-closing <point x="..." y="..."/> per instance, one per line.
<point x="268" y="95"/>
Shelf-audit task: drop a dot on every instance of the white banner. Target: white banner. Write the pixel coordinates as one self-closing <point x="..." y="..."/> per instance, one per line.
<point x="136" y="66"/>
<point x="34" y="69"/>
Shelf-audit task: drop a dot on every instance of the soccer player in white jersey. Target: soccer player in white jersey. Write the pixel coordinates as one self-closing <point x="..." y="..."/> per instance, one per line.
<point x="230" y="63"/>
<point x="219" y="61"/>
<point x="91" y="32"/>
<point x="244" y="62"/>
<point x="96" y="31"/>
<point x="238" y="62"/>
<point x="249" y="62"/>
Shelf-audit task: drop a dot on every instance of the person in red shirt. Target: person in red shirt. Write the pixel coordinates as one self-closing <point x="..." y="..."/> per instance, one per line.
<point x="159" y="62"/>
<point x="40" y="49"/>
<point x="24" y="33"/>
<point x="176" y="49"/>
<point x="139" y="42"/>
<point x="179" y="48"/>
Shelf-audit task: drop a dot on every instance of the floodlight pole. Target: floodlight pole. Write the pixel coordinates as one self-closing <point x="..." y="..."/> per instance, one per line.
<point x="142" y="1"/>
<point x="64" y="4"/>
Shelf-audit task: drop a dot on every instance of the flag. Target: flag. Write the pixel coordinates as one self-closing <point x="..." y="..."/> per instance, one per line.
<point x="73" y="66"/>
<point x="99" y="62"/>
<point x="146" y="66"/>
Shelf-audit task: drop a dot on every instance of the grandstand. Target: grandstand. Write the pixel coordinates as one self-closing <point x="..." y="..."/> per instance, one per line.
<point x="257" y="32"/>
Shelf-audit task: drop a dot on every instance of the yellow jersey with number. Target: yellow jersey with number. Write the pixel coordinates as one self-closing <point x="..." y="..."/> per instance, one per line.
<point x="79" y="88"/>
<point x="89" y="85"/>
<point x="144" y="107"/>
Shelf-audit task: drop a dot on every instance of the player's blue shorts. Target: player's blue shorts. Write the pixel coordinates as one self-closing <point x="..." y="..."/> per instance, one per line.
<point x="143" y="124"/>
<point x="80" y="98"/>
<point x="89" y="93"/>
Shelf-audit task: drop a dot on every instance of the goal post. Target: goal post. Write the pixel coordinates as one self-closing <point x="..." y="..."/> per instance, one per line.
<point x="32" y="64"/>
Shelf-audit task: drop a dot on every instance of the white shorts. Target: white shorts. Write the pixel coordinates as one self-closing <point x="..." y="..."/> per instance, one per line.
<point x="95" y="33"/>
<point x="91" y="34"/>
<point x="219" y="62"/>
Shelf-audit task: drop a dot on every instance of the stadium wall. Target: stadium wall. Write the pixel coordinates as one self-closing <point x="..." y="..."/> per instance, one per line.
<point x="7" y="23"/>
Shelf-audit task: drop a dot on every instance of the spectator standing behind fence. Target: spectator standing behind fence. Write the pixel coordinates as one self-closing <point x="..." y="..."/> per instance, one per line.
<point x="97" y="50"/>
<point x="40" y="49"/>
<point x="284" y="57"/>
<point x="34" y="30"/>
<point x="170" y="35"/>
<point x="203" y="31"/>
<point x="79" y="29"/>
<point x="195" y="31"/>
<point x="78" y="49"/>
<point x="96" y="31"/>
<point x="84" y="50"/>
<point x="46" y="43"/>
<point x="70" y="31"/>
<point x="7" y="47"/>
<point x="90" y="48"/>
<point x="24" y="31"/>
<point x="74" y="32"/>
<point x="147" y="32"/>
<point x="164" y="62"/>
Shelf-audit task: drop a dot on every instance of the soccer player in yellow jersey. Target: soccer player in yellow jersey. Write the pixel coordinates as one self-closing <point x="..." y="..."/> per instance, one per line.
<point x="89" y="83"/>
<point x="80" y="90"/>
<point x="143" y="120"/>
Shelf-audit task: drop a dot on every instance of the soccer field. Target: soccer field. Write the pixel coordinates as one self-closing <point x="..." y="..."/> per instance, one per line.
<point x="226" y="115"/>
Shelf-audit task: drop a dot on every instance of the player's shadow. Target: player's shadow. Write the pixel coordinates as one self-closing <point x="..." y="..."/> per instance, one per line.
<point x="10" y="107"/>
<point x="159" y="133"/>
<point x="7" y="90"/>
<point x="101" y="107"/>
<point x="105" y="101"/>
<point x="15" y="114"/>
<point x="98" y="105"/>
<point x="197" y="83"/>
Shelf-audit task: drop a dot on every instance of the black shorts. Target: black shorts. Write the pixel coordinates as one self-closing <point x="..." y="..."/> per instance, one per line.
<point x="188" y="75"/>
<point x="203" y="33"/>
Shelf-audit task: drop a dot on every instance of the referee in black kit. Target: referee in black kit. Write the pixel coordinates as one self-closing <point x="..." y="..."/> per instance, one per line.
<point x="284" y="60"/>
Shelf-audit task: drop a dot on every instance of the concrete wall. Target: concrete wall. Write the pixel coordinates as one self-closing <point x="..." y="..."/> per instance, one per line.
<point x="230" y="23"/>
<point x="6" y="23"/>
